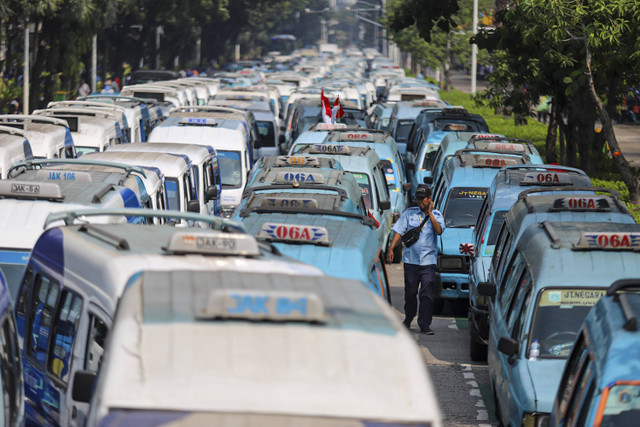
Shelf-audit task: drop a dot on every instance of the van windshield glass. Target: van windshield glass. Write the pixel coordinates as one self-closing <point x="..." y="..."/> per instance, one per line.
<point x="173" y="196"/>
<point x="558" y="317"/>
<point x="463" y="206"/>
<point x="80" y="150"/>
<point x="230" y="169"/>
<point x="623" y="405"/>
<point x="12" y="264"/>
<point x="267" y="135"/>
<point x="365" y="188"/>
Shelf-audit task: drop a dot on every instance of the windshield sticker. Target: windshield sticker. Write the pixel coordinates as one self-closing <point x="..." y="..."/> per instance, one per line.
<point x="567" y="298"/>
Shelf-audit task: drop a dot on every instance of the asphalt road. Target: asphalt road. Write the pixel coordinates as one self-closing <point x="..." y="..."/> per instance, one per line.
<point x="462" y="386"/>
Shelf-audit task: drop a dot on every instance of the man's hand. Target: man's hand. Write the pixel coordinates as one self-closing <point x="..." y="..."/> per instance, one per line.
<point x="430" y="208"/>
<point x="390" y="256"/>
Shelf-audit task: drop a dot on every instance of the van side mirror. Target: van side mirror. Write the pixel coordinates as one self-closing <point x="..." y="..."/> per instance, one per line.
<point x="211" y="193"/>
<point x="82" y="387"/>
<point x="508" y="346"/>
<point x="385" y="205"/>
<point x="193" y="206"/>
<point x="428" y="180"/>
<point x="487" y="289"/>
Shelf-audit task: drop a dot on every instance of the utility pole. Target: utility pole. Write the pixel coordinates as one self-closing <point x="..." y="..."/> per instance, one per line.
<point x="25" y="77"/>
<point x="474" y="48"/>
<point x="94" y="64"/>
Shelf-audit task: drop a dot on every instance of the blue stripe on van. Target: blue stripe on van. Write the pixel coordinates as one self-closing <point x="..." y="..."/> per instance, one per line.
<point x="26" y="146"/>
<point x="49" y="250"/>
<point x="14" y="257"/>
<point x="68" y="139"/>
<point x="129" y="198"/>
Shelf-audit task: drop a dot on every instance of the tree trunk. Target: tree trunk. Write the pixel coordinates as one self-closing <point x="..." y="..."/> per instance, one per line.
<point x="607" y="128"/>
<point x="447" y="66"/>
<point x="552" y="135"/>
<point x="562" y="131"/>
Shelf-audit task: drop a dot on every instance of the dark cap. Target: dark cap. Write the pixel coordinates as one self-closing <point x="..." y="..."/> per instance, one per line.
<point x="423" y="191"/>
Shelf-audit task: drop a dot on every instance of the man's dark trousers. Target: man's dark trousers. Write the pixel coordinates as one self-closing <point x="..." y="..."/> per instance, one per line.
<point x="423" y="276"/>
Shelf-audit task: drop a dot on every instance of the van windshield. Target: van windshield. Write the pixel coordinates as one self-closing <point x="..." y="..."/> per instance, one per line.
<point x="230" y="169"/>
<point x="558" y="317"/>
<point x="623" y="405"/>
<point x="463" y="206"/>
<point x="267" y="134"/>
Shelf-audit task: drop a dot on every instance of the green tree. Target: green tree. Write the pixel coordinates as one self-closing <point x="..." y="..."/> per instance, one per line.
<point x="584" y="53"/>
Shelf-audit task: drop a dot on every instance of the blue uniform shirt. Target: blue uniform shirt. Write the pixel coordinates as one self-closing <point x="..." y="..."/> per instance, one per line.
<point x="425" y="250"/>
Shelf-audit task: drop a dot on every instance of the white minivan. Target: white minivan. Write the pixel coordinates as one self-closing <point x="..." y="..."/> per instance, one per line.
<point x="230" y="146"/>
<point x="50" y="138"/>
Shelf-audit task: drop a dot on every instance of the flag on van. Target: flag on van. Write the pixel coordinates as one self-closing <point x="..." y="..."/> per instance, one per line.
<point x="326" y="107"/>
<point x="336" y="112"/>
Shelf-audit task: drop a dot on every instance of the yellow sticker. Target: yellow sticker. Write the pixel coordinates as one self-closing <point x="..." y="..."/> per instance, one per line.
<point x="571" y="297"/>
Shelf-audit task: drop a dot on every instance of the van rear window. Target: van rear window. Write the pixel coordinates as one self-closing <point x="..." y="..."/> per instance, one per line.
<point x="267" y="134"/>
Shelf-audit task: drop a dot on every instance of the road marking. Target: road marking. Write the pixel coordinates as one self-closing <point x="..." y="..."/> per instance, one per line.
<point x="467" y="374"/>
<point x="453" y="325"/>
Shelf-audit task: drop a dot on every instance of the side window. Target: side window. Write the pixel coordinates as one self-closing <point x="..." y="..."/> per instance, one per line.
<point x="508" y="285"/>
<point x="381" y="184"/>
<point x="516" y="300"/>
<point x="98" y="331"/>
<point x="10" y="369"/>
<point x="194" y="182"/>
<point x="188" y="190"/>
<point x="579" y="356"/>
<point x="503" y="258"/>
<point x="580" y="392"/>
<point x="585" y="404"/>
<point x="22" y="307"/>
<point x="521" y="317"/>
<point x="41" y="314"/>
<point x="64" y="333"/>
<point x="502" y="237"/>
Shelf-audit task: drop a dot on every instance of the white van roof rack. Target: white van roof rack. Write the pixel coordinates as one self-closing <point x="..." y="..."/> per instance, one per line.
<point x="38" y="164"/>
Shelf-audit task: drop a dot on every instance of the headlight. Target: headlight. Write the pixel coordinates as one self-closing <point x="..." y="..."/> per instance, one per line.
<point x="227" y="211"/>
<point x="535" y="419"/>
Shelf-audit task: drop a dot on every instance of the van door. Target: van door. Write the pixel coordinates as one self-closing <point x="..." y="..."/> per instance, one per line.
<point x="89" y="350"/>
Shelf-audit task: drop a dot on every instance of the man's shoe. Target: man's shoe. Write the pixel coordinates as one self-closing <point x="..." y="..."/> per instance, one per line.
<point x="407" y="324"/>
<point x="426" y="331"/>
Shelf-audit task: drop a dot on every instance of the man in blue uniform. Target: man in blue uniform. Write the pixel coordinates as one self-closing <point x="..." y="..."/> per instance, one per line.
<point x="419" y="259"/>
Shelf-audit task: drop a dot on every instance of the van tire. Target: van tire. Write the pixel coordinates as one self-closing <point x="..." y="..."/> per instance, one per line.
<point x="477" y="351"/>
<point x="438" y="305"/>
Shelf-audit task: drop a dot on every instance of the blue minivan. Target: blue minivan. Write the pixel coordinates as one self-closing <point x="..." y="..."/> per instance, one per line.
<point x="556" y="274"/>
<point x="600" y="385"/>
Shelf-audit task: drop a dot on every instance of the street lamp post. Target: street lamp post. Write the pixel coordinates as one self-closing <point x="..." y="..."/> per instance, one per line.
<point x="323" y="23"/>
<point x="474" y="48"/>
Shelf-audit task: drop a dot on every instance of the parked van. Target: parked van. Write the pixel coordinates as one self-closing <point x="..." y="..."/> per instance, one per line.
<point x="12" y="406"/>
<point x="76" y="276"/>
<point x="205" y="174"/>
<point x="230" y="146"/>
<point x="319" y="230"/>
<point x="147" y="184"/>
<point x="49" y="137"/>
<point x="557" y="273"/>
<point x="459" y="195"/>
<point x="150" y="371"/>
<point x="179" y="189"/>
<point x="600" y="385"/>
<point x="14" y="147"/>
<point x="26" y="204"/>
<point x="502" y="194"/>
<point x="135" y="109"/>
<point x="92" y="131"/>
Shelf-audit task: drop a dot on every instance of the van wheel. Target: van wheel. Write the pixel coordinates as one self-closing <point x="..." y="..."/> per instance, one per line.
<point x="438" y="305"/>
<point x="477" y="351"/>
<point x="397" y="254"/>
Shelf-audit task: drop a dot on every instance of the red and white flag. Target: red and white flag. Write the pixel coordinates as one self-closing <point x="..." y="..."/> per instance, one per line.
<point x="336" y="112"/>
<point x="326" y="107"/>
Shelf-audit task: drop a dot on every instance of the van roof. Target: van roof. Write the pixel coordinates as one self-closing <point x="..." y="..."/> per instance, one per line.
<point x="110" y="254"/>
<point x="554" y="259"/>
<point x="606" y="326"/>
<point x="264" y="361"/>
<point x="219" y="137"/>
<point x="170" y="165"/>
<point x="197" y="153"/>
